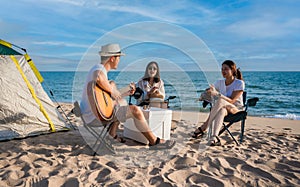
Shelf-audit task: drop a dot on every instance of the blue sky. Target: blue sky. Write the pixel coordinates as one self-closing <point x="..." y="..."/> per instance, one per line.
<point x="260" y="35"/>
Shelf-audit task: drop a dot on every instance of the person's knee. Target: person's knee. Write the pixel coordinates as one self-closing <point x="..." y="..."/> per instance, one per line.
<point x="135" y="110"/>
<point x="231" y="109"/>
<point x="223" y="111"/>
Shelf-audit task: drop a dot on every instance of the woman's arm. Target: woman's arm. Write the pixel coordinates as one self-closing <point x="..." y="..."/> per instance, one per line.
<point x="158" y="91"/>
<point x="162" y="89"/>
<point x="234" y="96"/>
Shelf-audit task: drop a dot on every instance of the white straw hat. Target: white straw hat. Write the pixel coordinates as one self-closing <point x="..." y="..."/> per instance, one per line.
<point x="111" y="50"/>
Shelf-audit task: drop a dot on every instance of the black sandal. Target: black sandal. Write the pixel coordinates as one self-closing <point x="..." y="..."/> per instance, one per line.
<point x="198" y="134"/>
<point x="119" y="139"/>
<point x="214" y="142"/>
<point x="168" y="144"/>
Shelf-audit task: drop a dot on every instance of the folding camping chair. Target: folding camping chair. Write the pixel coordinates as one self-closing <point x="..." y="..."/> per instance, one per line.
<point x="241" y="116"/>
<point x="100" y="137"/>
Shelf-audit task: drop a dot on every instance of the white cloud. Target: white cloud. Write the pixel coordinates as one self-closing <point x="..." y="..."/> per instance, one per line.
<point x="178" y="12"/>
<point x="141" y="11"/>
<point x="263" y="19"/>
<point x="265" y="56"/>
<point x="64" y="44"/>
<point x="262" y="28"/>
<point x="71" y="2"/>
<point x="46" y="63"/>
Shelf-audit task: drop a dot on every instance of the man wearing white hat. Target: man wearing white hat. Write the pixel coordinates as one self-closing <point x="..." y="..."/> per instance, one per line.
<point x="110" y="57"/>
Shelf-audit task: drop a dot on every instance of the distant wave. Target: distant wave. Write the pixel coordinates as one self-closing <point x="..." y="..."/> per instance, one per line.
<point x="286" y="116"/>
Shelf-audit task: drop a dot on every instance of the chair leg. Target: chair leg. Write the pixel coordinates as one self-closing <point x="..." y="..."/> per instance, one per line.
<point x="242" y="130"/>
<point x="222" y="130"/>
<point x="101" y="139"/>
<point x="225" y="127"/>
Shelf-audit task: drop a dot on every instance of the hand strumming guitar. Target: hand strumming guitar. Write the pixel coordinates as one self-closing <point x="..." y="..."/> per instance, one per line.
<point x="115" y="94"/>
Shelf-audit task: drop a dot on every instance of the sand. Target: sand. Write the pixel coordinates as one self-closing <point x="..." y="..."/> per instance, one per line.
<point x="269" y="156"/>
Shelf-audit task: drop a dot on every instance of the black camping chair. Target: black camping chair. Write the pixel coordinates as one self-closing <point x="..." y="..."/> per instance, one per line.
<point x="139" y="93"/>
<point x="241" y="116"/>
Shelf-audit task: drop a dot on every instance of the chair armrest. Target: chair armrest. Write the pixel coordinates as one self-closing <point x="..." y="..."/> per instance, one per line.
<point x="205" y="103"/>
<point x="143" y="103"/>
<point x="252" y="101"/>
<point x="171" y="97"/>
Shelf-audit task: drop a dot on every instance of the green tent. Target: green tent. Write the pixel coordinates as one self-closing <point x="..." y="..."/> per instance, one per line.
<point x="5" y="50"/>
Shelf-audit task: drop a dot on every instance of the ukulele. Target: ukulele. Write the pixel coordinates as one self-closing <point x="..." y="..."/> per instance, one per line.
<point x="101" y="102"/>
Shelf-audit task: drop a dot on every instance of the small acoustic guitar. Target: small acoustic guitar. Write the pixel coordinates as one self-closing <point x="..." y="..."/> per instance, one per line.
<point x="101" y="102"/>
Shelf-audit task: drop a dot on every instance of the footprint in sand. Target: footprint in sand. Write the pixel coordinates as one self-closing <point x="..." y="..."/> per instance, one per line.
<point x="100" y="176"/>
<point x="259" y="172"/>
<point x="130" y="175"/>
<point x="287" y="129"/>
<point x="13" y="176"/>
<point x="95" y="166"/>
<point x="158" y="181"/>
<point x="292" y="163"/>
<point x="4" y="163"/>
<point x="56" y="180"/>
<point x="154" y="171"/>
<point x="41" y="162"/>
<point x="234" y="162"/>
<point x="201" y="179"/>
<point x="112" y="165"/>
<point x="184" y="162"/>
<point x="180" y="176"/>
<point x="36" y="182"/>
<point x="284" y="169"/>
<point x="72" y="182"/>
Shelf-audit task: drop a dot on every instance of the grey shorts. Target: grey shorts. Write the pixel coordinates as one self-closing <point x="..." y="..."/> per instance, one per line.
<point x="120" y="114"/>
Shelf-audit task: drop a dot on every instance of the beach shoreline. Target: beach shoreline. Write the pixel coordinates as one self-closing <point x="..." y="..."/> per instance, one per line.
<point x="269" y="156"/>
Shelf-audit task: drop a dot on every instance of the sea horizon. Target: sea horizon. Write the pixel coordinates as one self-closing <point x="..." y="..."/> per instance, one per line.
<point x="72" y="71"/>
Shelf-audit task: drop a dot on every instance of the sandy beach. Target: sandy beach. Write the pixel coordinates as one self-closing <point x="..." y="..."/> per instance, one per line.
<point x="269" y="156"/>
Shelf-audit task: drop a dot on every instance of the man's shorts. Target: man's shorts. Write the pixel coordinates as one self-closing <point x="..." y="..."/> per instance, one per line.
<point x="120" y="114"/>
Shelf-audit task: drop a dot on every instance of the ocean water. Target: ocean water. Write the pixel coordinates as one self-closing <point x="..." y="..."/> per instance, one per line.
<point x="278" y="92"/>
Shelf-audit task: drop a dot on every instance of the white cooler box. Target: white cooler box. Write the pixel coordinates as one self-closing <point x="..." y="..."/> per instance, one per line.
<point x="159" y="121"/>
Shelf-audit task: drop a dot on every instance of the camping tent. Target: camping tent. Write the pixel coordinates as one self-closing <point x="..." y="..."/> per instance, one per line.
<point x="25" y="108"/>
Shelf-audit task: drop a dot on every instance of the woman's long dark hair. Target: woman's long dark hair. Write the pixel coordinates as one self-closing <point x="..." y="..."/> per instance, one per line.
<point x="156" y="77"/>
<point x="236" y="71"/>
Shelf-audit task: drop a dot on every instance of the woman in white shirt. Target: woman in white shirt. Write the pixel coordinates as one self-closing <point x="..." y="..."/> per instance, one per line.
<point x="229" y="92"/>
<point x="151" y="84"/>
